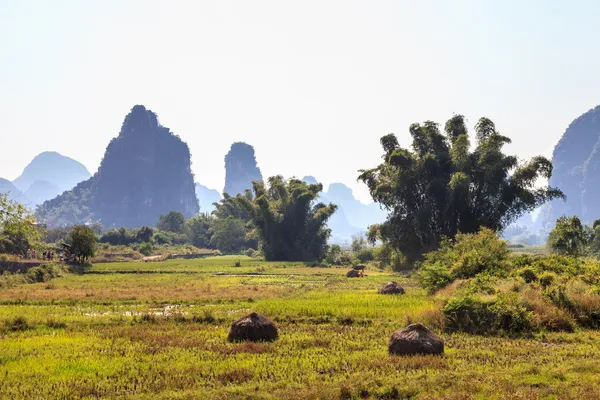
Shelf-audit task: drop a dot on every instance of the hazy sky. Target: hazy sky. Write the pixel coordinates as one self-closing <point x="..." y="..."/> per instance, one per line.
<point x="312" y="85"/>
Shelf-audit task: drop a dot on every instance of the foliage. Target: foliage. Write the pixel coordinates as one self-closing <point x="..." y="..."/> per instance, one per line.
<point x="56" y="235"/>
<point x="290" y="226"/>
<point x="198" y="228"/>
<point x="234" y="206"/>
<point x="470" y="255"/>
<point x="358" y="243"/>
<point x="474" y="314"/>
<point x="144" y="234"/>
<point x="567" y="237"/>
<point x="228" y="235"/>
<point x="440" y="187"/>
<point x="83" y="243"/>
<point x="365" y="255"/>
<point x="334" y="254"/>
<point x="174" y="222"/>
<point x="145" y="249"/>
<point x="18" y="230"/>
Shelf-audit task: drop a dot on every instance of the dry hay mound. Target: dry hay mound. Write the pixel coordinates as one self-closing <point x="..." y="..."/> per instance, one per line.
<point x="415" y="339"/>
<point x="253" y="327"/>
<point x="353" y="273"/>
<point x="391" y="288"/>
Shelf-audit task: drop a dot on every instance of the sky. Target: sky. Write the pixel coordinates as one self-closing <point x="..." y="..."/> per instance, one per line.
<point x="312" y="85"/>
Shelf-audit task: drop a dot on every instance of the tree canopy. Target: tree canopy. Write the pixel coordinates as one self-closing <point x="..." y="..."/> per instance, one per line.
<point x="440" y="187"/>
<point x="18" y="230"/>
<point x="174" y="221"/>
<point x="291" y="226"/>
<point x="568" y="237"/>
<point x="83" y="242"/>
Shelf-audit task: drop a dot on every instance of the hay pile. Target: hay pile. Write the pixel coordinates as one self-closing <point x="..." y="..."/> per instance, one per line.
<point x="415" y="339"/>
<point x="353" y="273"/>
<point x="253" y="327"/>
<point x="391" y="288"/>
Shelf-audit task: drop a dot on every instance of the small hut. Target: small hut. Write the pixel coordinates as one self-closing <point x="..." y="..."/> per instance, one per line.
<point x="391" y="288"/>
<point x="415" y="339"/>
<point x="353" y="273"/>
<point x="253" y="327"/>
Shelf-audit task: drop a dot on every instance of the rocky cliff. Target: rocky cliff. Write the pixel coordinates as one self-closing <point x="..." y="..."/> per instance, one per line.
<point x="145" y="172"/>
<point x="241" y="169"/>
<point x="576" y="161"/>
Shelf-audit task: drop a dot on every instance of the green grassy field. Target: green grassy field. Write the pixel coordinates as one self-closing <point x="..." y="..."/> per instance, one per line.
<point x="158" y="330"/>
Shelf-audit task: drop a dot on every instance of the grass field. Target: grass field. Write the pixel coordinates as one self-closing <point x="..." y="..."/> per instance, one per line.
<point x="158" y="330"/>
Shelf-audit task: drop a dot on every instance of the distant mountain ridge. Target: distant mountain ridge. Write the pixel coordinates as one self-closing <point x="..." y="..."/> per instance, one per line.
<point x="13" y="193"/>
<point x="61" y="171"/>
<point x="353" y="217"/>
<point x="48" y="175"/>
<point x="145" y="172"/>
<point x="206" y="198"/>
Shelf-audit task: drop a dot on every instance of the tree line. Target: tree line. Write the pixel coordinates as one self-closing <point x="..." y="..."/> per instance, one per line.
<point x="441" y="186"/>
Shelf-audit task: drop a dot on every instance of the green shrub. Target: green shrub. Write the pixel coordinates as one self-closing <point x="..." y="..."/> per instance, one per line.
<point x="467" y="314"/>
<point x="42" y="273"/>
<point x="434" y="276"/>
<point x="365" y="255"/>
<point x="546" y="279"/>
<point x="345" y="259"/>
<point x="474" y="314"/>
<point x="145" y="249"/>
<point x="470" y="255"/>
<point x="527" y="274"/>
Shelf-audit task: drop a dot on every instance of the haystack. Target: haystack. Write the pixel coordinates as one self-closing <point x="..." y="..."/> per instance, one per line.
<point x="253" y="327"/>
<point x="415" y="339"/>
<point x="353" y="273"/>
<point x="391" y="288"/>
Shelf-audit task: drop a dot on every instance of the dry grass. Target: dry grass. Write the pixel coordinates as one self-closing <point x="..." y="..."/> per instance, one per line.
<point x="163" y="335"/>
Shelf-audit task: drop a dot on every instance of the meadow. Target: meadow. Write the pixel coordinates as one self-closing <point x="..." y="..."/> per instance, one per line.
<point x="157" y="330"/>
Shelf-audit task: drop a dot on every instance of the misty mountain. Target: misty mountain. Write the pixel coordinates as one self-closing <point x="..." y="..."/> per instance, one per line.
<point x="241" y="169"/>
<point x="352" y="216"/>
<point x="40" y="191"/>
<point x="206" y="198"/>
<point x="359" y="214"/>
<point x="576" y="161"/>
<point x="59" y="171"/>
<point x="7" y="187"/>
<point x="145" y="172"/>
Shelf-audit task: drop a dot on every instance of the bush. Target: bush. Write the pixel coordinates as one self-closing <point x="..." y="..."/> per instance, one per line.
<point x="473" y="314"/>
<point x="345" y="259"/>
<point x="546" y="279"/>
<point x="468" y="256"/>
<point x="527" y="274"/>
<point x="145" y="249"/>
<point x="434" y="276"/>
<point x="42" y="273"/>
<point x="365" y="255"/>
